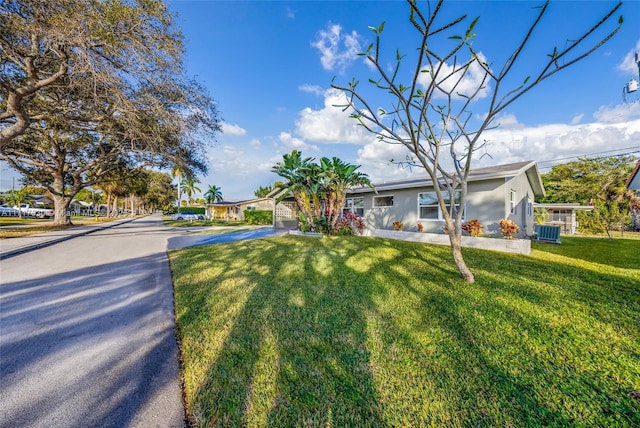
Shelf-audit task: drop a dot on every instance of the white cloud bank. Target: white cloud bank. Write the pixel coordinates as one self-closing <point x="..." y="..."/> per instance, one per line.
<point x="331" y="124"/>
<point x="615" y="129"/>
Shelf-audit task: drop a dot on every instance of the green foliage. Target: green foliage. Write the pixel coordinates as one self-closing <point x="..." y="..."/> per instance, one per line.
<point x="604" y="217"/>
<point x="258" y="216"/>
<point x="586" y="180"/>
<point x="319" y="189"/>
<point x="355" y="332"/>
<point x="195" y="210"/>
<point x="541" y="215"/>
<point x="262" y="192"/>
<point x="213" y="194"/>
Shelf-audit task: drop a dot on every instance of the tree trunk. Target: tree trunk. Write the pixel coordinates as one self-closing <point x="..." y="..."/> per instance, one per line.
<point x="455" y="237"/>
<point x="114" y="211"/>
<point x="61" y="202"/>
<point x="61" y="209"/>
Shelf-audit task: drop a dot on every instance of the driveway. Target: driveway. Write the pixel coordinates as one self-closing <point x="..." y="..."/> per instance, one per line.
<point x="87" y="328"/>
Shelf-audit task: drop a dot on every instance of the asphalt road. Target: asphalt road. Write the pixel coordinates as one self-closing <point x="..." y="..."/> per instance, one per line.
<point x="87" y="332"/>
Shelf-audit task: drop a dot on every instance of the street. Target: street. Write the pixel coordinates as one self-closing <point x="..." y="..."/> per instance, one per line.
<point x="87" y="332"/>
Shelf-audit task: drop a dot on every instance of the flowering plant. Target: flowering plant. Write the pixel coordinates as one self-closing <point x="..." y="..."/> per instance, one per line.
<point x="473" y="227"/>
<point x="508" y="228"/>
<point x="398" y="225"/>
<point x="349" y="224"/>
<point x="420" y="227"/>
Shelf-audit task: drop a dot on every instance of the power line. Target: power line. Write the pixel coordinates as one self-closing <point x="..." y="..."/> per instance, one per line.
<point x="635" y="149"/>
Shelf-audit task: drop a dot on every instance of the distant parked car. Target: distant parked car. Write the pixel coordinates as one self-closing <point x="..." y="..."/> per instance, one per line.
<point x="187" y="216"/>
<point x="6" y="211"/>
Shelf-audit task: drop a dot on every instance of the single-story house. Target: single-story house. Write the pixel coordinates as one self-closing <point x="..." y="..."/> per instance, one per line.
<point x="80" y="207"/>
<point x="226" y="210"/>
<point x="494" y="193"/>
<point x="563" y="215"/>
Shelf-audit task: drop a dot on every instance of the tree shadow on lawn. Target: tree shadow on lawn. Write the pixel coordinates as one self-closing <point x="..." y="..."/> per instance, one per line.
<point x="385" y="341"/>
<point x="295" y="354"/>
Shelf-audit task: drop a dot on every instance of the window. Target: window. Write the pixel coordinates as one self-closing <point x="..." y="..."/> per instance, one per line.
<point x="428" y="208"/>
<point x="354" y="205"/>
<point x="382" y="201"/>
<point x="512" y="201"/>
<point x="529" y="207"/>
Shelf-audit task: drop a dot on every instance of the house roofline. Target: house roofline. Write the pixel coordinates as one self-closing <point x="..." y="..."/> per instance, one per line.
<point x="635" y="171"/>
<point x="230" y="204"/>
<point x="530" y="168"/>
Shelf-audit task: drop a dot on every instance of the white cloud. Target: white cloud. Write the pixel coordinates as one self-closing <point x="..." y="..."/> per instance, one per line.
<point x="449" y="77"/>
<point x="618" y="114"/>
<point x="558" y="141"/>
<point x="576" y="119"/>
<point x="514" y="142"/>
<point x="291" y="142"/>
<point x="628" y="64"/>
<point x="375" y="161"/>
<point x="255" y="143"/>
<point x="331" y="124"/>
<point x="234" y="130"/>
<point x="337" y="49"/>
<point x="314" y="89"/>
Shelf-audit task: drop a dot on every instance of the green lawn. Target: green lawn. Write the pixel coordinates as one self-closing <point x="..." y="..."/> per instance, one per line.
<point x="296" y="331"/>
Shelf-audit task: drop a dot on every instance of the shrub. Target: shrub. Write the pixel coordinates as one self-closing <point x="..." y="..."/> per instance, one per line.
<point x="195" y="210"/>
<point x="508" y="228"/>
<point x="398" y="225"/>
<point x="258" y="216"/>
<point x="349" y="224"/>
<point x="473" y="227"/>
<point x="420" y="227"/>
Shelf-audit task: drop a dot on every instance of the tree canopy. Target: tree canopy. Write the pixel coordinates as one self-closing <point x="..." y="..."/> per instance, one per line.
<point x="81" y="101"/>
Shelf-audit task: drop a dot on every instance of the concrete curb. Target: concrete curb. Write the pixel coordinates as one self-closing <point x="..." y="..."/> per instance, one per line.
<point x="55" y="240"/>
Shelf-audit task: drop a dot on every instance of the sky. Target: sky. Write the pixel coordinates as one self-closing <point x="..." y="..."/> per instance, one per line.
<point x="269" y="66"/>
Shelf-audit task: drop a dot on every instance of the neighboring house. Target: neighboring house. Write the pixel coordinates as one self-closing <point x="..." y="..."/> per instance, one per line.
<point x="80" y="208"/>
<point x="633" y="183"/>
<point x="226" y="210"/>
<point x="494" y="193"/>
<point x="563" y="215"/>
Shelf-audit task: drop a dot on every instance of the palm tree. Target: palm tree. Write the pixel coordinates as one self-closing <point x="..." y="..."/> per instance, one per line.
<point x="189" y="186"/>
<point x="298" y="173"/>
<point x="213" y="194"/>
<point x="319" y="190"/>
<point x="339" y="176"/>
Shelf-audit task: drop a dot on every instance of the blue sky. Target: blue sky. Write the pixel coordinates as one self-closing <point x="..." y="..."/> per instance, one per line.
<point x="269" y="66"/>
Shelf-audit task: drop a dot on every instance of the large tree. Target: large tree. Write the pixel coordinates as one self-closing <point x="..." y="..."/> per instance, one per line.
<point x="120" y="103"/>
<point x="431" y="114"/>
<point x="112" y="44"/>
<point x="586" y="179"/>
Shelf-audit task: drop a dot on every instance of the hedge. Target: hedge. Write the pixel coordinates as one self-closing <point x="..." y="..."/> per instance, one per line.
<point x="258" y="216"/>
<point x="195" y="210"/>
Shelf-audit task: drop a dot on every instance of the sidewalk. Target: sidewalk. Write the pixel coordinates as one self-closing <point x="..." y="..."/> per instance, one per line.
<point x="11" y="247"/>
